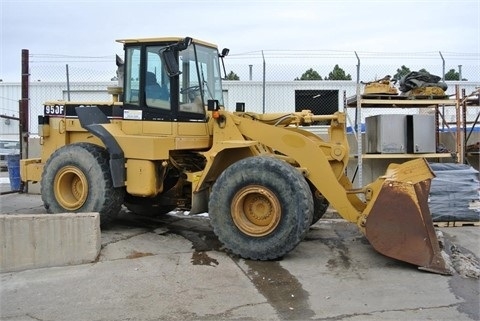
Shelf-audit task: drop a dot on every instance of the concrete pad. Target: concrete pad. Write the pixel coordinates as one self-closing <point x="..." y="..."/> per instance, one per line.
<point x="29" y="241"/>
<point x="145" y="244"/>
<point x="21" y="203"/>
<point x="173" y="268"/>
<point x="159" y="287"/>
<point x="375" y="287"/>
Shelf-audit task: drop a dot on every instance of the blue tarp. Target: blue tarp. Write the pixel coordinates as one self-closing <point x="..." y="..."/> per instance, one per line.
<point x="349" y="128"/>
<point x="452" y="191"/>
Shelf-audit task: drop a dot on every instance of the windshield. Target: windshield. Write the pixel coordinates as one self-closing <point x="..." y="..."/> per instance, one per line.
<point x="199" y="82"/>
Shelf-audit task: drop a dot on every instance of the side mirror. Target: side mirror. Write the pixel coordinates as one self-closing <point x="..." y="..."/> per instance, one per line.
<point x="182" y="45"/>
<point x="225" y="52"/>
<point x="169" y="59"/>
<point x="170" y="62"/>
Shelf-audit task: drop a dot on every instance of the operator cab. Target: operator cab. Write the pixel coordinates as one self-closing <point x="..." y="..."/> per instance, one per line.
<point x="170" y="79"/>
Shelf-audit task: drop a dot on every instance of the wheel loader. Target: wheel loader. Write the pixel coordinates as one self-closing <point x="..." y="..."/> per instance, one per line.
<point x="166" y="141"/>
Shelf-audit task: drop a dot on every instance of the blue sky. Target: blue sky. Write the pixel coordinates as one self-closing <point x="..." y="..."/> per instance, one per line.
<point x="90" y="28"/>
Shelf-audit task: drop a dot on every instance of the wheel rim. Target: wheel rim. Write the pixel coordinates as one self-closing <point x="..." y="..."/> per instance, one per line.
<point x="256" y="211"/>
<point x="71" y="188"/>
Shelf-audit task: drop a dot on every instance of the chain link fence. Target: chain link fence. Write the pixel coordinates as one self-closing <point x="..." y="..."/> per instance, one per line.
<point x="340" y="71"/>
<point x="69" y="78"/>
<point x="268" y="81"/>
<point x="60" y="68"/>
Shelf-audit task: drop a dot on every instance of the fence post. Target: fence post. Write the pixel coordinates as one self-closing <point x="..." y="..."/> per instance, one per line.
<point x="358" y="125"/>
<point x="264" y="85"/>
<point x="68" y="83"/>
<point x="443" y="66"/>
<point x="23" y="113"/>
<point x="443" y="79"/>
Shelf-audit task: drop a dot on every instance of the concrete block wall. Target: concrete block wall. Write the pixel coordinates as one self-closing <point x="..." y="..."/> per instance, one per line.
<point x="29" y="241"/>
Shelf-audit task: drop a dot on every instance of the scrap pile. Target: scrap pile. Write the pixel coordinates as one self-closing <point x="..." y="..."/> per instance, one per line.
<point x="417" y="83"/>
<point x="382" y="86"/>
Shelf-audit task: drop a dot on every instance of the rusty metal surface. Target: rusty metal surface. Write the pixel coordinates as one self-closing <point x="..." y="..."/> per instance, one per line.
<point x="400" y="226"/>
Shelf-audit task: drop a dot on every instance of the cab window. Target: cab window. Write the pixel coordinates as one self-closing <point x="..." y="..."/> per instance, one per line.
<point x="132" y="76"/>
<point x="190" y="95"/>
<point x="209" y="73"/>
<point x="157" y="83"/>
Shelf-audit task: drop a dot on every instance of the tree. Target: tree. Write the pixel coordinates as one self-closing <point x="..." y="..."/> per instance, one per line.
<point x="402" y="71"/>
<point x="232" y="76"/>
<point x="338" y="74"/>
<point x="452" y="75"/>
<point x="310" y="74"/>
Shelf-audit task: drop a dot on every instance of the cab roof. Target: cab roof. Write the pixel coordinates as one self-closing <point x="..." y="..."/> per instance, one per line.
<point x="164" y="39"/>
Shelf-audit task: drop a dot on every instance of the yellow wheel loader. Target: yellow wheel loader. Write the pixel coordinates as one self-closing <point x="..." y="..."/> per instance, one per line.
<point x="166" y="141"/>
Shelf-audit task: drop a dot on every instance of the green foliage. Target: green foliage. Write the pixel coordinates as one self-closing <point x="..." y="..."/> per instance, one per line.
<point x="452" y="75"/>
<point x="338" y="74"/>
<point x="232" y="76"/>
<point x="402" y="71"/>
<point x="310" y="74"/>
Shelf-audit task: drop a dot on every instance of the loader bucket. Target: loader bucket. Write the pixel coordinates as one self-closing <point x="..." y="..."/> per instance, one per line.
<point x="399" y="224"/>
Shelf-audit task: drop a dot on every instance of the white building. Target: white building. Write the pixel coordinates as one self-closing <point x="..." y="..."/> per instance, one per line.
<point x="322" y="97"/>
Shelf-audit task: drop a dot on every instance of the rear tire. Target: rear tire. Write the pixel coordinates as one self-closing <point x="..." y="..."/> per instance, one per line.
<point x="260" y="208"/>
<point x="76" y="178"/>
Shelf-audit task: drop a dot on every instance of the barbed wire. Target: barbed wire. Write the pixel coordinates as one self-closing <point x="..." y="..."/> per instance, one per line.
<point x="344" y="53"/>
<point x="280" y="53"/>
<point x="66" y="56"/>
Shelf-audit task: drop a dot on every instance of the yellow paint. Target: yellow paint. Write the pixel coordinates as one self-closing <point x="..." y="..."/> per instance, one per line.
<point x="141" y="177"/>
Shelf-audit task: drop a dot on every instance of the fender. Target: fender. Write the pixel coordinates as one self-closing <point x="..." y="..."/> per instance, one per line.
<point x="92" y="118"/>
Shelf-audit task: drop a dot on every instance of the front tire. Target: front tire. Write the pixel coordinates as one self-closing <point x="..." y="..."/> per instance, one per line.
<point x="320" y="204"/>
<point x="260" y="208"/>
<point x="76" y="178"/>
